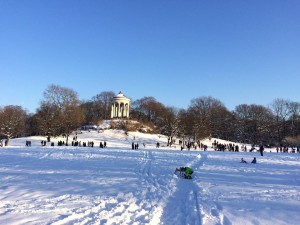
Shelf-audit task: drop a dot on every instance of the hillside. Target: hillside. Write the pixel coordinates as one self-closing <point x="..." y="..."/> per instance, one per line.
<point x="120" y="138"/>
<point x="117" y="185"/>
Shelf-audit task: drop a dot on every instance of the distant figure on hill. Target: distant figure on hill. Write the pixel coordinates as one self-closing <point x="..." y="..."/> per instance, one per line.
<point x="261" y="150"/>
<point x="243" y="161"/>
<point x="254" y="160"/>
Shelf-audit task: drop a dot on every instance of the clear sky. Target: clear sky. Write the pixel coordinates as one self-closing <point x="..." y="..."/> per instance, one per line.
<point x="237" y="51"/>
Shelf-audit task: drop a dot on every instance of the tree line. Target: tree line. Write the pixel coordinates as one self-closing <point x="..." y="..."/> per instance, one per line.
<point x="60" y="112"/>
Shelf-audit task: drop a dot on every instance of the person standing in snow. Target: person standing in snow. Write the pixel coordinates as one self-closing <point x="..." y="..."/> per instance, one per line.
<point x="261" y="150"/>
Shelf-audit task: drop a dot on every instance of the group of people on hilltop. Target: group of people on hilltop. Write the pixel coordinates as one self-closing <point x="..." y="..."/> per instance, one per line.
<point x="74" y="143"/>
<point x="215" y="145"/>
<point x="28" y="143"/>
<point x="134" y="145"/>
<point x="223" y="147"/>
<point x="287" y="149"/>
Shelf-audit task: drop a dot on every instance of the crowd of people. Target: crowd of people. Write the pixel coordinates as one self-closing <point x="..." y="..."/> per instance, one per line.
<point x="217" y="146"/>
<point x="286" y="149"/>
<point x="73" y="143"/>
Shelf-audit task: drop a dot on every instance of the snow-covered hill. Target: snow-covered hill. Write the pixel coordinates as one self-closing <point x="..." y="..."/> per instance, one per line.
<point x="118" y="185"/>
<point x="119" y="138"/>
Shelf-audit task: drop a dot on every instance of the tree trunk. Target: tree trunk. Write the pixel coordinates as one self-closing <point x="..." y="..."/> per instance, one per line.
<point x="67" y="139"/>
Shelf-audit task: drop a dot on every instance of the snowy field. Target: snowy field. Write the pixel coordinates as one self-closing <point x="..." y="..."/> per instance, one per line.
<point x="118" y="185"/>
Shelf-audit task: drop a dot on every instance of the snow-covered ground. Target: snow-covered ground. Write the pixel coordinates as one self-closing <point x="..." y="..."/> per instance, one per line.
<point x="118" y="185"/>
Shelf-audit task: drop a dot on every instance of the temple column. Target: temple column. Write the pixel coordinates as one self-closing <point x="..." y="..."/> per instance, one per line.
<point x="127" y="111"/>
<point x="112" y="111"/>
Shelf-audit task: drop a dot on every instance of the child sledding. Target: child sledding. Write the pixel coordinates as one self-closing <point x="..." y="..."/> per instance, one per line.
<point x="244" y="161"/>
<point x="184" y="172"/>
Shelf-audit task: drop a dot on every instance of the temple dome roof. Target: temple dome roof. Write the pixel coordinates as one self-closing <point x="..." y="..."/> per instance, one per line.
<point x="121" y="96"/>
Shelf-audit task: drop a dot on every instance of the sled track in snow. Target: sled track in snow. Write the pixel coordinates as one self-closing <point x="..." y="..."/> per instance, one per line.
<point x="122" y="209"/>
<point x="175" y="201"/>
<point x="188" y="205"/>
<point x="210" y="210"/>
<point x="182" y="205"/>
<point x="47" y="154"/>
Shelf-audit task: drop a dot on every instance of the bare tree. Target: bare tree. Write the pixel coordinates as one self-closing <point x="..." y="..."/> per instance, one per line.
<point x="91" y="115"/>
<point x="147" y="109"/>
<point x="185" y="128"/>
<point x="140" y="109"/>
<point x="102" y="103"/>
<point x="294" y="108"/>
<point x="254" y="123"/>
<point x="168" y="123"/>
<point x="98" y="108"/>
<point x="222" y="123"/>
<point x="63" y="104"/>
<point x="205" y="112"/>
<point x="47" y="120"/>
<point x="281" y="110"/>
<point x="12" y="122"/>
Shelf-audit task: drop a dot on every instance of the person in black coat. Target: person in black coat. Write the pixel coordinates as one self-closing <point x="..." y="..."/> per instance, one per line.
<point x="261" y="150"/>
<point x="243" y="161"/>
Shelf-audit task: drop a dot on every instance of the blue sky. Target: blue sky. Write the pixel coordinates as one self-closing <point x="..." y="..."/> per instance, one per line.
<point x="235" y="51"/>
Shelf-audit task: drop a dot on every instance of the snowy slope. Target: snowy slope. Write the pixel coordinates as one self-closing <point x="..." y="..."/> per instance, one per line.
<point x="118" y="185"/>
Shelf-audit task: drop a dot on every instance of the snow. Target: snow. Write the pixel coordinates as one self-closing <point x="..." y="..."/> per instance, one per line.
<point x="118" y="185"/>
